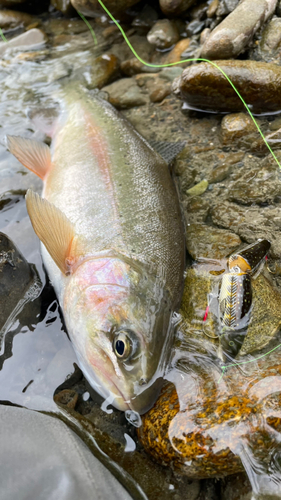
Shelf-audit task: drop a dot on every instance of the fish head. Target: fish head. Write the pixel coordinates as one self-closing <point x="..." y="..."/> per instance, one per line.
<point x="122" y="337"/>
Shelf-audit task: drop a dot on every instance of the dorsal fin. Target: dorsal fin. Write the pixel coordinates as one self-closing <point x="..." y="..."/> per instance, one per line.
<point x="168" y="150"/>
<point x="32" y="154"/>
<point x="53" y="228"/>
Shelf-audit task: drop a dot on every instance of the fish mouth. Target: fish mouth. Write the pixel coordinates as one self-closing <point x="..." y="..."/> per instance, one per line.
<point x="102" y="382"/>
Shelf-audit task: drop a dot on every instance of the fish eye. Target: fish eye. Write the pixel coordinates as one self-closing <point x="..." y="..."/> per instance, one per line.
<point x="123" y="345"/>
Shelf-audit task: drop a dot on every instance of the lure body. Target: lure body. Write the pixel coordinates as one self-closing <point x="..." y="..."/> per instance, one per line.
<point x="235" y="298"/>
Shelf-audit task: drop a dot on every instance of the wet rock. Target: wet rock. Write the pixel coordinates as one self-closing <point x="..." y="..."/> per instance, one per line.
<point x="112" y="33"/>
<point x="133" y="66"/>
<point x="170" y="74"/>
<point x="257" y="183"/>
<point x="226" y="6"/>
<point x="11" y="3"/>
<point x="238" y="126"/>
<point x="160" y="91"/>
<point x="204" y="35"/>
<point x="16" y="277"/>
<point x="198" y="12"/>
<point x="125" y="93"/>
<point x="92" y="8"/>
<point x="236" y="487"/>
<point x="163" y="34"/>
<point x="233" y="34"/>
<point x="175" y="7"/>
<point x="66" y="397"/>
<point x="204" y="87"/>
<point x="64" y="6"/>
<point x="266" y="319"/>
<point x="158" y="84"/>
<point x="209" y="242"/>
<point x="146" y="18"/>
<point x="250" y="223"/>
<point x="194" y="27"/>
<point x="103" y="70"/>
<point x="274" y="140"/>
<point x="33" y="38"/>
<point x="270" y="43"/>
<point x="12" y="19"/>
<point x="196" y="209"/>
<point x="144" y="49"/>
<point x="176" y="53"/>
<point x="211" y="11"/>
<point x="219" y="173"/>
<point x="193" y="50"/>
<point x="198" y="189"/>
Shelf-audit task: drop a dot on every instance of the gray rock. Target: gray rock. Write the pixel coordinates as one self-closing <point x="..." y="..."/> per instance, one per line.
<point x="163" y="34"/>
<point x="12" y="19"/>
<point x="175" y="7"/>
<point x="170" y="73"/>
<point x="65" y="6"/>
<point x="270" y="43"/>
<point x="258" y="183"/>
<point x="30" y="39"/>
<point x="208" y="242"/>
<point x="146" y="18"/>
<point x="92" y="8"/>
<point x="233" y="34"/>
<point x="226" y="6"/>
<point x="250" y="223"/>
<point x="16" y="278"/>
<point x="194" y="27"/>
<point x="212" y="9"/>
<point x="219" y="173"/>
<point x="125" y="93"/>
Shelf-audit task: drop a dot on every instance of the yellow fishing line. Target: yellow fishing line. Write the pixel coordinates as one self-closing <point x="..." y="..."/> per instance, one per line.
<point x="245" y="362"/>
<point x="3" y="36"/>
<point x="184" y="61"/>
<point x="89" y="26"/>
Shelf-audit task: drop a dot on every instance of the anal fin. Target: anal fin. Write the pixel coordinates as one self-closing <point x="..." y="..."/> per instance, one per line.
<point x="32" y="154"/>
<point x="53" y="228"/>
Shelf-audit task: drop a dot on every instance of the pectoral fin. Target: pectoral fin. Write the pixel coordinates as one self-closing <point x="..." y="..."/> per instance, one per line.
<point x="32" y="154"/>
<point x="53" y="228"/>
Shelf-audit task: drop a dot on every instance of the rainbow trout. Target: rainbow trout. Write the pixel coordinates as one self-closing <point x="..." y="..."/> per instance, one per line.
<point x="112" y="242"/>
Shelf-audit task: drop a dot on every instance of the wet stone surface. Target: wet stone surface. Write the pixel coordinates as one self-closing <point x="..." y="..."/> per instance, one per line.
<point x="204" y="87"/>
<point x="234" y="33"/>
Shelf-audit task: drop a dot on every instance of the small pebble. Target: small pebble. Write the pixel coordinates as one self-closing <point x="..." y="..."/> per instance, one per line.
<point x="210" y="242"/>
<point x="235" y="126"/>
<point x="175" y="7"/>
<point x="219" y="173"/>
<point x="125" y="93"/>
<point x="198" y="189"/>
<point x="163" y="35"/>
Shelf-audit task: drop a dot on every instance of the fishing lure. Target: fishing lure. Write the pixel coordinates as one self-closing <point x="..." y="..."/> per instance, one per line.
<point x="235" y="296"/>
